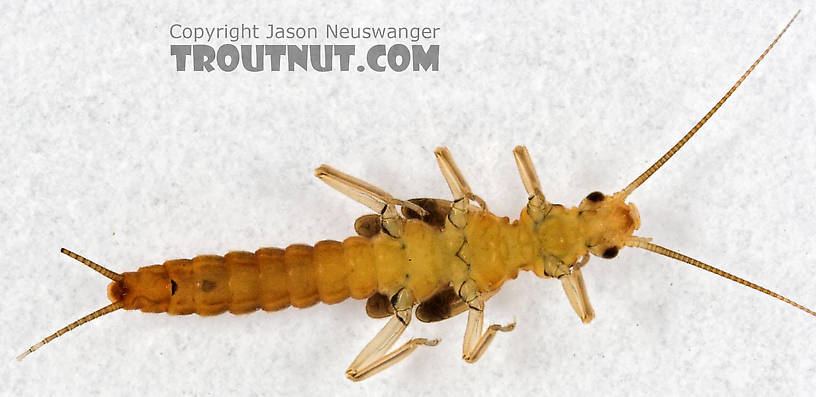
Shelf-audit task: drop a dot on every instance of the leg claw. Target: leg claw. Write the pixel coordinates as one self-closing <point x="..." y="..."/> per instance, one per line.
<point x="423" y="341"/>
<point x="503" y="328"/>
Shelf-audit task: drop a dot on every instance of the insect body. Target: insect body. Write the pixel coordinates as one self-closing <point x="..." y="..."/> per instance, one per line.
<point x="444" y="257"/>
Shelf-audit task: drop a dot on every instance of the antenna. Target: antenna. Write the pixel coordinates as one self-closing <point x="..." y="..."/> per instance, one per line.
<point x="659" y="163"/>
<point x="639" y="242"/>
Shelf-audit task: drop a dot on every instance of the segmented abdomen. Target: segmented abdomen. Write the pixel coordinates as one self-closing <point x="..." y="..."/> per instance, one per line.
<point x="269" y="279"/>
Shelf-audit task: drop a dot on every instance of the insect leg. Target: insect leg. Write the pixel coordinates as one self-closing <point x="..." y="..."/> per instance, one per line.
<point x="373" y="358"/>
<point x="458" y="186"/>
<point x="576" y="292"/>
<point x="537" y="205"/>
<point x="475" y="342"/>
<point x="369" y="195"/>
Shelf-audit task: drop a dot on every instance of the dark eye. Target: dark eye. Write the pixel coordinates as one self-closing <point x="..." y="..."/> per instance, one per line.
<point x="610" y="253"/>
<point x="595" y="197"/>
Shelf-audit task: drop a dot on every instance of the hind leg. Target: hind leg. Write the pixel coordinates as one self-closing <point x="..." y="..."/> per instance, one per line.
<point x="374" y="357"/>
<point x="369" y="195"/>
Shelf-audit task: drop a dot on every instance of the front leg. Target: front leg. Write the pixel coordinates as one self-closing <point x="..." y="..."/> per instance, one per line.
<point x="475" y="342"/>
<point x="576" y="292"/>
<point x="537" y="208"/>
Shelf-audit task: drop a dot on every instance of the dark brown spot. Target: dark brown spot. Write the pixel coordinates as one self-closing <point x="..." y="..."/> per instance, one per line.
<point x="610" y="252"/>
<point x="378" y="306"/>
<point x="441" y="305"/>
<point x="367" y="225"/>
<point x="207" y="285"/>
<point x="173" y="287"/>
<point x="595" y="197"/>
<point x="437" y="211"/>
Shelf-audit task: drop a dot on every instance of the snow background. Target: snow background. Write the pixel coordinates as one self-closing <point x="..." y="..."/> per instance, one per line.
<point x="112" y="153"/>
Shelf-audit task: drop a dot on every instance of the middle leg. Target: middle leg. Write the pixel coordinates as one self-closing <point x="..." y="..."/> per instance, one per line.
<point x="537" y="205"/>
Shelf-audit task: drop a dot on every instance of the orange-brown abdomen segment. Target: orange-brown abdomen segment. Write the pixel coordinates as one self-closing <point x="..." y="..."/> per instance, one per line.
<point x="211" y="291"/>
<point x="362" y="273"/>
<point x="244" y="281"/>
<point x="182" y="281"/>
<point x="300" y="269"/>
<point x="272" y="280"/>
<point x="332" y="271"/>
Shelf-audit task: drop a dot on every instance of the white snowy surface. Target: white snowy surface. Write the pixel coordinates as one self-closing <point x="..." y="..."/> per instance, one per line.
<point x="111" y="152"/>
